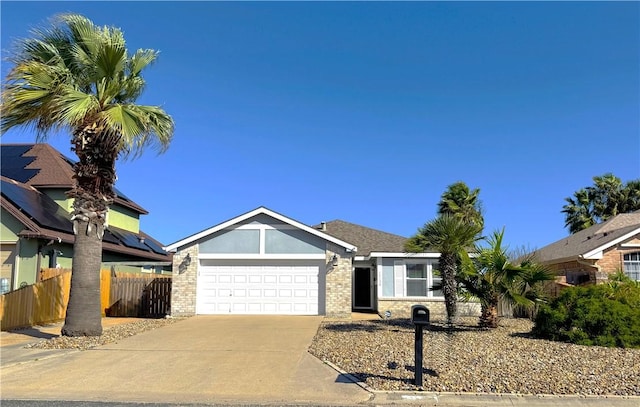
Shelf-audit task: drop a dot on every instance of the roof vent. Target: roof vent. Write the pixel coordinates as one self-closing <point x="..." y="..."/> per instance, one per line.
<point x="323" y="226"/>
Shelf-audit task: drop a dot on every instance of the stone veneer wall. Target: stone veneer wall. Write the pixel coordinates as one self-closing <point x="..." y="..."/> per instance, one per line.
<point x="402" y="308"/>
<point x="183" y="288"/>
<point x="338" y="287"/>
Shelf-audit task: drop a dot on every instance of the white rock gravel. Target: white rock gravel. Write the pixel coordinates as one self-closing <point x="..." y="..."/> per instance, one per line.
<point x="109" y="335"/>
<point x="470" y="359"/>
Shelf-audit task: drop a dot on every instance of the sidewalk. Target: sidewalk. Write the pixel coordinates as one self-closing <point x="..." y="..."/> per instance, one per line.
<point x="13" y="342"/>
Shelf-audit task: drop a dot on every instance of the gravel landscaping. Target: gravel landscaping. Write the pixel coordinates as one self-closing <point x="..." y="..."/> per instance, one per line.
<point x="469" y="359"/>
<point x="109" y="335"/>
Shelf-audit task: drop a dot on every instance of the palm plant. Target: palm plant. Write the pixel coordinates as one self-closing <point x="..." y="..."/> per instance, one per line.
<point x="79" y="77"/>
<point x="491" y="277"/>
<point x="579" y="212"/>
<point x="606" y="198"/>
<point x="458" y="200"/>
<point x="451" y="236"/>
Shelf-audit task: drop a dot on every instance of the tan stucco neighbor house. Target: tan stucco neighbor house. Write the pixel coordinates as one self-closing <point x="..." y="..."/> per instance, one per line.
<point x="591" y="255"/>
<point x="262" y="262"/>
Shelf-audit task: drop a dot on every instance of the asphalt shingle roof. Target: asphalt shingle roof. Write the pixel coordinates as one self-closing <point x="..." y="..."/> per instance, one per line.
<point x="591" y="238"/>
<point x="42" y="166"/>
<point x="367" y="240"/>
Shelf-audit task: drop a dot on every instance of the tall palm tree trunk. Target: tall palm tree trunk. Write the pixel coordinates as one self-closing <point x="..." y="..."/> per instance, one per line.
<point x="95" y="176"/>
<point x="83" y="312"/>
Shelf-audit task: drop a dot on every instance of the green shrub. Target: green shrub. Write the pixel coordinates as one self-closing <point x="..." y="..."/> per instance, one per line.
<point x="603" y="315"/>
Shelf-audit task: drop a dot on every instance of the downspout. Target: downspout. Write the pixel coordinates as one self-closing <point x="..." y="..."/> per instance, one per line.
<point x="38" y="263"/>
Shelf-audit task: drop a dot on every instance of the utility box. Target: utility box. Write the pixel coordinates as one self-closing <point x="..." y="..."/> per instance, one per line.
<point x="419" y="315"/>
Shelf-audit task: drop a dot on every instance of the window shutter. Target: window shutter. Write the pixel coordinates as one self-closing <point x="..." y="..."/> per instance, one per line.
<point x="398" y="277"/>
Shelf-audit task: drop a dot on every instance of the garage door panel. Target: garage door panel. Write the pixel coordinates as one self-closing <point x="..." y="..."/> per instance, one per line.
<point x="286" y="279"/>
<point x="269" y="289"/>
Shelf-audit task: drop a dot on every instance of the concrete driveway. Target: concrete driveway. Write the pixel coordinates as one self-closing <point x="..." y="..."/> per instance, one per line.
<point x="203" y="359"/>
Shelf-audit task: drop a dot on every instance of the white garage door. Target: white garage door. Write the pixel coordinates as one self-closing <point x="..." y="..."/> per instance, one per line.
<point x="277" y="289"/>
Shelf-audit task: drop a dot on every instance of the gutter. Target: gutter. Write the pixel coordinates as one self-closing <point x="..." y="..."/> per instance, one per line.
<point x="580" y="260"/>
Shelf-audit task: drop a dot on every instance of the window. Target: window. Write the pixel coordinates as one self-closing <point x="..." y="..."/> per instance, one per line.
<point x="410" y="278"/>
<point x="436" y="278"/>
<point x="4" y="285"/>
<point x="416" y="280"/>
<point x="631" y="265"/>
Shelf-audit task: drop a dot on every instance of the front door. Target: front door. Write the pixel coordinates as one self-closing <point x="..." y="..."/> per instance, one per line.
<point x="363" y="288"/>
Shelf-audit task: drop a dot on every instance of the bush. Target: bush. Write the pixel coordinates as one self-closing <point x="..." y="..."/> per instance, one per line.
<point x="603" y="315"/>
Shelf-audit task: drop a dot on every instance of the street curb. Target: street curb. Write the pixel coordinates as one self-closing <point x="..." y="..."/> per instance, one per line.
<point x="351" y="377"/>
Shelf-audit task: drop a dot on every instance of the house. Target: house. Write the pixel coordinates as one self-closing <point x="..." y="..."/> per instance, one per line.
<point x="36" y="232"/>
<point x="262" y="262"/>
<point x="592" y="254"/>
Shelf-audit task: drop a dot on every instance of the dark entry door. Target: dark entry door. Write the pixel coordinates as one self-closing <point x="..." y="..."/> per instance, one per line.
<point x="362" y="288"/>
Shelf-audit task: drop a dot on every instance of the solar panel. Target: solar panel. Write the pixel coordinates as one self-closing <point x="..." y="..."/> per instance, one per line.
<point x="132" y="240"/>
<point x="154" y="246"/>
<point x="38" y="206"/>
<point x="109" y="237"/>
<point x="129" y="239"/>
<point x="13" y="164"/>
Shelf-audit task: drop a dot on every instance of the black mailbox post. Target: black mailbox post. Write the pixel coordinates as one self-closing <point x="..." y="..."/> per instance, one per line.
<point x="419" y="318"/>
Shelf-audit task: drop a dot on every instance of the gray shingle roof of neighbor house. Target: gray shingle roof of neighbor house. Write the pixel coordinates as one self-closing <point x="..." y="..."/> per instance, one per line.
<point x="366" y="239"/>
<point x="594" y="239"/>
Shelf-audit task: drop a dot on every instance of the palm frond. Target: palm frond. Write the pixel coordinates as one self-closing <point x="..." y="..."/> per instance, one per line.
<point x="75" y="72"/>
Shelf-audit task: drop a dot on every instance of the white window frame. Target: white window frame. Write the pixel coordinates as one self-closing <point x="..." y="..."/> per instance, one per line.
<point x="400" y="278"/>
<point x="627" y="261"/>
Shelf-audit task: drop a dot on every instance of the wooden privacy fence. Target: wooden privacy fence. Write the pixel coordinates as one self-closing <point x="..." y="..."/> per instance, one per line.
<point x="139" y="297"/>
<point x="121" y="295"/>
<point x="37" y="304"/>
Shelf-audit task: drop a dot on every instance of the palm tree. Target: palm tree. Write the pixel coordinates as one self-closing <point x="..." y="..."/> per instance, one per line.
<point x="79" y="77"/>
<point x="579" y="212"/>
<point x="608" y="193"/>
<point x="491" y="277"/>
<point x="450" y="236"/>
<point x="458" y="200"/>
<point x="607" y="197"/>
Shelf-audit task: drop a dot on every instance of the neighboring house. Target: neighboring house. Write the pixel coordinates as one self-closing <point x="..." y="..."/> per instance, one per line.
<point x="263" y="262"/>
<point x="36" y="232"/>
<point x="591" y="255"/>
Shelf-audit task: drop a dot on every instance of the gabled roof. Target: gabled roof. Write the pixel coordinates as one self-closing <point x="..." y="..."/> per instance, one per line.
<point x="591" y="242"/>
<point x="42" y="166"/>
<point x="42" y="218"/>
<point x="366" y="239"/>
<point x="259" y="211"/>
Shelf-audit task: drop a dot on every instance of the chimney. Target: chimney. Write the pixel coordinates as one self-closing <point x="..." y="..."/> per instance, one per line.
<point x="323" y="226"/>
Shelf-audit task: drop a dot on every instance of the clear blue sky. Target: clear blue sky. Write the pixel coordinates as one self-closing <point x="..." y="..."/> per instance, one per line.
<point x="366" y="111"/>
